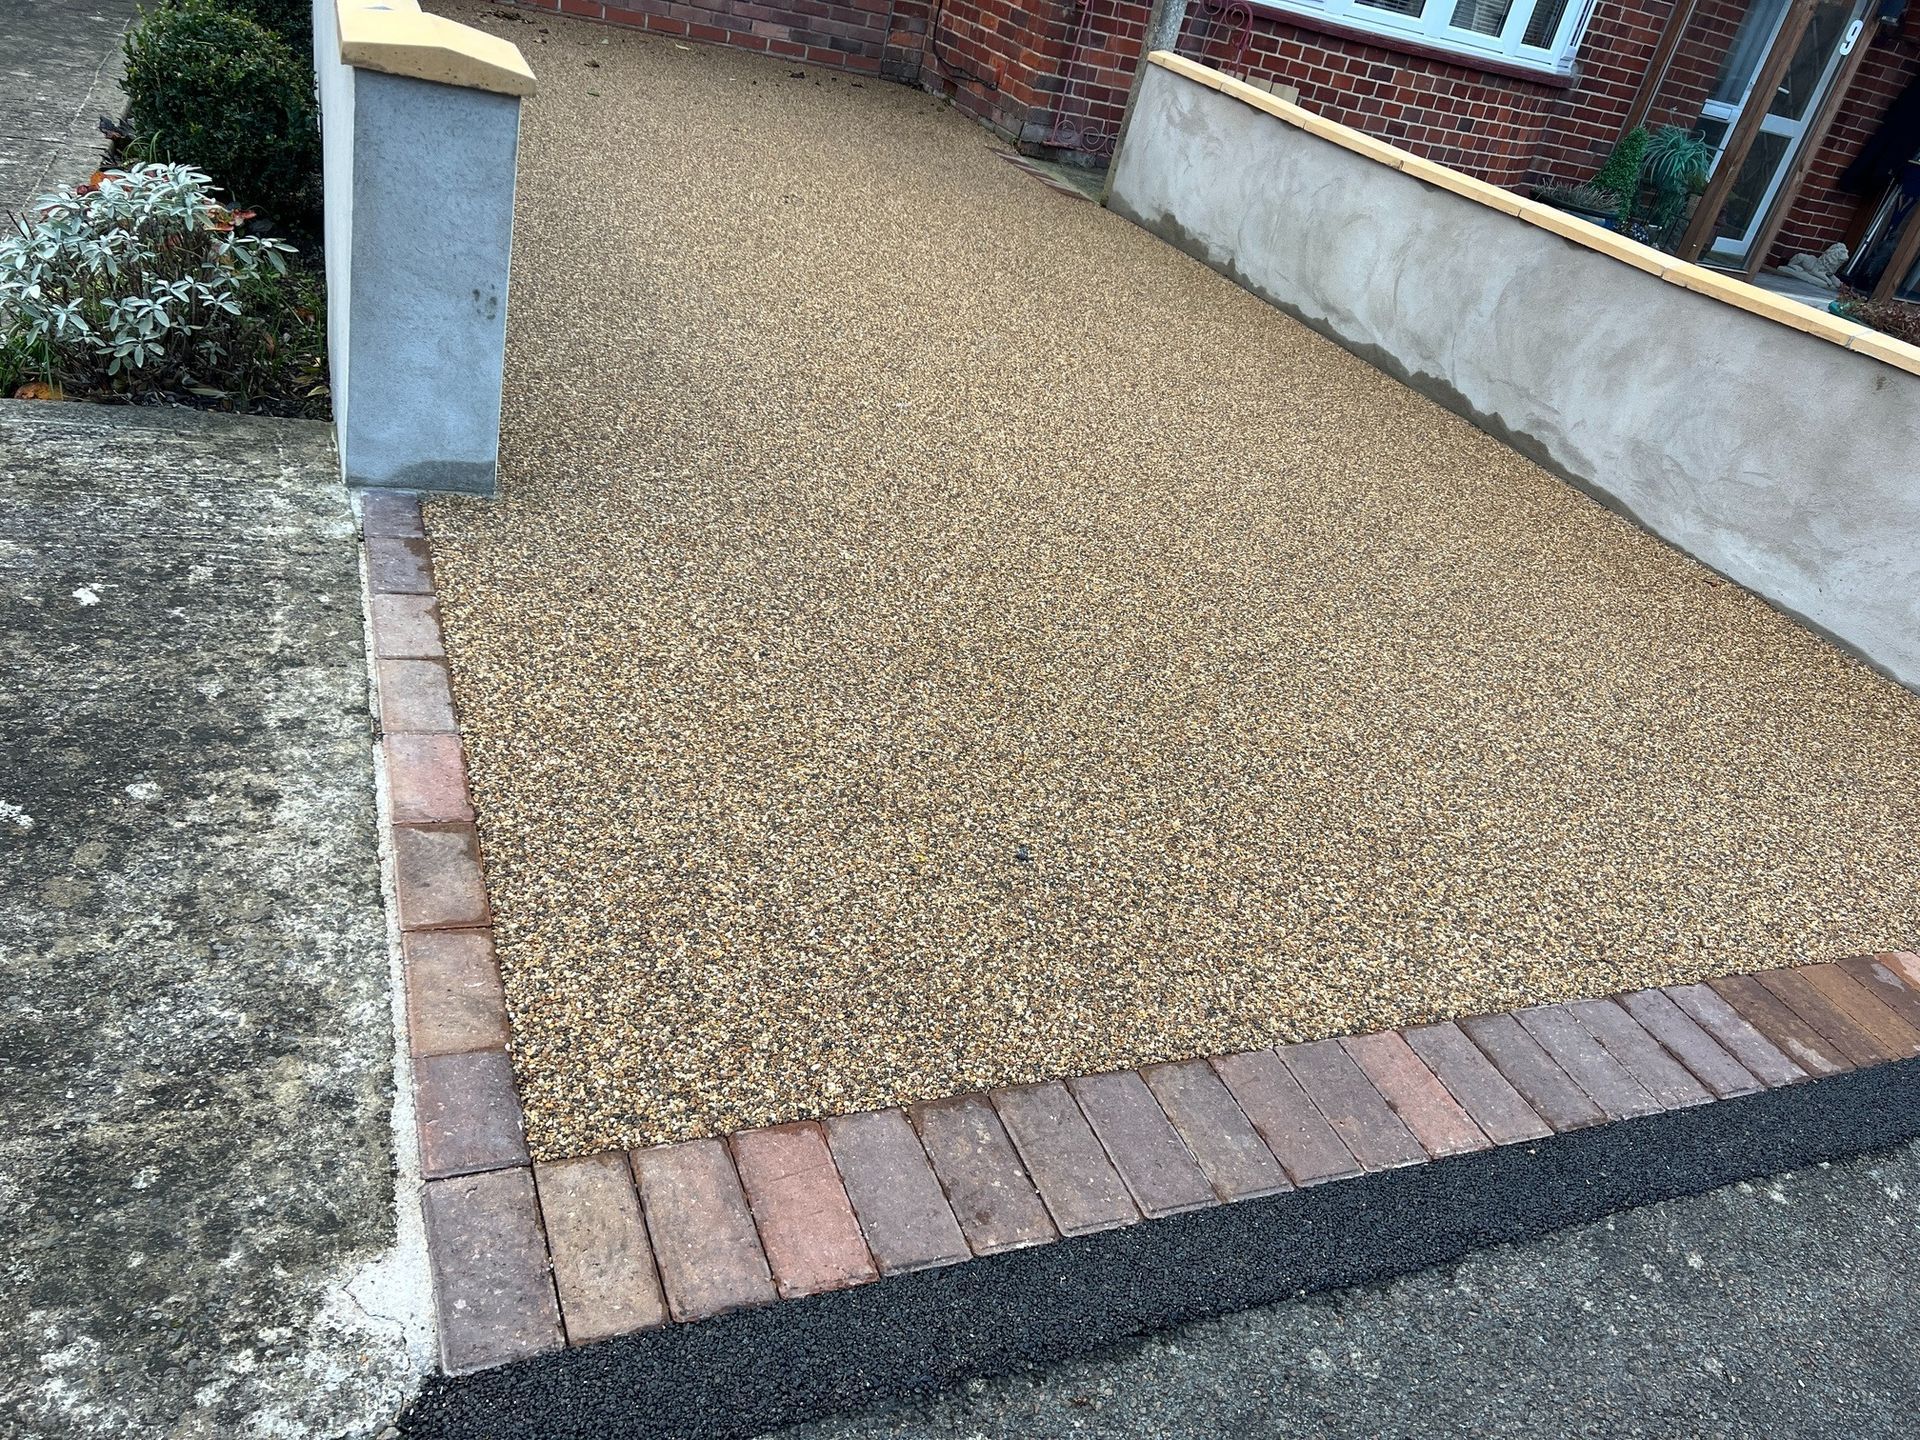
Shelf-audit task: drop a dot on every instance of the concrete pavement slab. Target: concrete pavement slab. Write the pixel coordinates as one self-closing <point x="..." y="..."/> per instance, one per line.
<point x="197" y="1044"/>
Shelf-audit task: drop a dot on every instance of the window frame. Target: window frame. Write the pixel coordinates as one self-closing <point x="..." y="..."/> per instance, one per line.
<point x="1433" y="30"/>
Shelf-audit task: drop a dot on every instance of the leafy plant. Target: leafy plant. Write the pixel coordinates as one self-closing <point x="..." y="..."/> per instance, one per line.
<point x="1677" y="165"/>
<point x="1646" y="180"/>
<point x="1620" y="176"/>
<point x="1678" y="159"/>
<point x="141" y="282"/>
<point x="1576" y="197"/>
<point x="291" y="20"/>
<point x="216" y="90"/>
<point x="278" y="361"/>
<point x="26" y="361"/>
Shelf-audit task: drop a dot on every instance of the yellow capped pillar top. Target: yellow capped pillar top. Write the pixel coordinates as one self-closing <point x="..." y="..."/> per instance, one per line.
<point x="396" y="38"/>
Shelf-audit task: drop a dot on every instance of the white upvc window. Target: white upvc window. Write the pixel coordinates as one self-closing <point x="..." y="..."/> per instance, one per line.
<point x="1542" y="34"/>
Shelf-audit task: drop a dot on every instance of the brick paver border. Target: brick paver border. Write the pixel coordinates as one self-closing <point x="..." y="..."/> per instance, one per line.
<point x="529" y="1258"/>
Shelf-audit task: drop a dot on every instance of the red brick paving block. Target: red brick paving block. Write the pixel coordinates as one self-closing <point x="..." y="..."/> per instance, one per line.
<point x="415" y="695"/>
<point x="389" y="512"/>
<point x="1683" y="1037"/>
<point x="468" y="1113"/>
<point x="1882" y="977"/>
<point x="491" y="1287"/>
<point x="1083" y="1191"/>
<point x="454" y="997"/>
<point x="992" y="1198"/>
<point x="398" y="566"/>
<point x="1826" y="999"/>
<point x="406" y="627"/>
<point x="1575" y="1051"/>
<point x="1218" y="1134"/>
<point x="1824" y="1018"/>
<point x="602" y="1263"/>
<point x="703" y="1235"/>
<point x="1758" y="1055"/>
<point x="1766" y="1012"/>
<point x="1891" y="1036"/>
<point x="1297" y="1133"/>
<point x="806" y="1222"/>
<point x="1148" y="1152"/>
<point x="1905" y="963"/>
<point x="437" y="877"/>
<point x="902" y="1210"/>
<point x="427" y="778"/>
<point x="1535" y="1074"/>
<point x="1500" y="1111"/>
<point x="1670" y="1083"/>
<point x="1415" y="1094"/>
<point x="1359" y="1115"/>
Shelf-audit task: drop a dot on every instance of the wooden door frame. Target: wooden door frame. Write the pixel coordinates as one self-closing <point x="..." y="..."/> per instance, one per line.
<point x="1661" y="61"/>
<point x="1811" y="140"/>
<point x="1705" y="224"/>
<point x="1906" y="250"/>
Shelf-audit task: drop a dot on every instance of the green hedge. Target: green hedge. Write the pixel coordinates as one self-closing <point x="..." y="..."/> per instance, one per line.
<point x="291" y="20"/>
<point x="220" y="91"/>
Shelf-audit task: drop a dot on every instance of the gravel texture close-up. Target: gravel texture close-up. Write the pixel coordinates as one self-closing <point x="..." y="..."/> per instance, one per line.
<point x="934" y="635"/>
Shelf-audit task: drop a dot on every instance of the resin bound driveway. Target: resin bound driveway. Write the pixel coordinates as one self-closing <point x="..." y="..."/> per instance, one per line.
<point x="934" y="636"/>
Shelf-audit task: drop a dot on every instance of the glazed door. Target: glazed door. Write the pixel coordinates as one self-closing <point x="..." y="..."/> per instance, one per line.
<point x="1833" y="31"/>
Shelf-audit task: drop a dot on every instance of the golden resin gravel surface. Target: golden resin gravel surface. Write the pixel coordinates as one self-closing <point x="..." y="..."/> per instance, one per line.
<point x="934" y="635"/>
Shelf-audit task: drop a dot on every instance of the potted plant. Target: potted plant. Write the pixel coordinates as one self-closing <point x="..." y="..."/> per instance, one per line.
<point x="1608" y="198"/>
<point x="1588" y="201"/>
<point x="1620" y="176"/>
<point x="1675" y="172"/>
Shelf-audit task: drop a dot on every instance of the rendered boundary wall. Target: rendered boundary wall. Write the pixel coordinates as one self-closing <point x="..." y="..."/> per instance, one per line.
<point x="1774" y="442"/>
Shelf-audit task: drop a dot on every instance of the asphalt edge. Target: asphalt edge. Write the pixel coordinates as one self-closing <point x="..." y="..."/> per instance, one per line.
<point x="745" y="1373"/>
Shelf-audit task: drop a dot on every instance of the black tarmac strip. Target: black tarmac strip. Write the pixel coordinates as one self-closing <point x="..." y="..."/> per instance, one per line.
<point x="744" y="1374"/>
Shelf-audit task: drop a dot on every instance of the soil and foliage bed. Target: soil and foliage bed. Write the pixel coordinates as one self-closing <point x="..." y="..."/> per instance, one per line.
<point x="1898" y="318"/>
<point x="189" y="271"/>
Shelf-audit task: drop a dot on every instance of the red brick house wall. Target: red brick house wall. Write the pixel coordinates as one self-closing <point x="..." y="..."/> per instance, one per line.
<point x="1614" y="57"/>
<point x="1000" y="62"/>
<point x="1075" y="64"/>
<point x="1487" y="124"/>
<point x="1053" y="75"/>
<point x="868" y="36"/>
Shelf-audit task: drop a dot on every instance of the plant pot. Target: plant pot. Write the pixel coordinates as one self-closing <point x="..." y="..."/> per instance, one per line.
<point x="1602" y="218"/>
